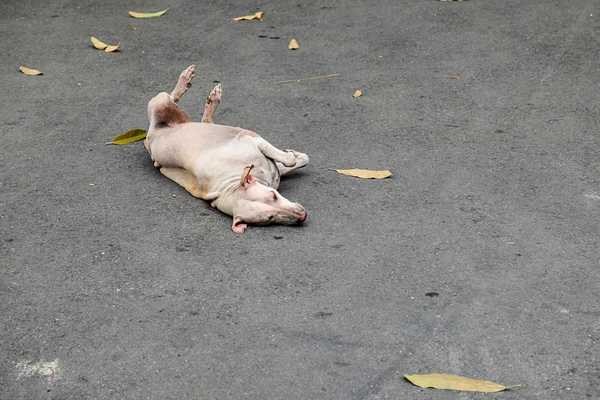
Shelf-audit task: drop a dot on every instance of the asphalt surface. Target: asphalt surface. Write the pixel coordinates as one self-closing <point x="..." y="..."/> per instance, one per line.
<point x="478" y="257"/>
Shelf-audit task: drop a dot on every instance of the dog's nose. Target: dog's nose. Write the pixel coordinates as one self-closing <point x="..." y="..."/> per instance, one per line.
<point x="302" y="216"/>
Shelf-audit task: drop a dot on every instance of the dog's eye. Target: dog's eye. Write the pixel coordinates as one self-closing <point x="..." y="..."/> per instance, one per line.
<point x="274" y="196"/>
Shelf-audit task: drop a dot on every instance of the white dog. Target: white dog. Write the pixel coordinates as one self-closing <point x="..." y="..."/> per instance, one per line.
<point x="233" y="168"/>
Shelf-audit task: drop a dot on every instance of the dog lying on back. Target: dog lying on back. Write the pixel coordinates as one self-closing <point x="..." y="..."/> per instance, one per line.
<point x="234" y="168"/>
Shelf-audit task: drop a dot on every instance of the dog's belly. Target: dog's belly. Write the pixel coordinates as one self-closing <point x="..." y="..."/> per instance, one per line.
<point x="213" y="153"/>
<point x="177" y="146"/>
<point x="223" y="162"/>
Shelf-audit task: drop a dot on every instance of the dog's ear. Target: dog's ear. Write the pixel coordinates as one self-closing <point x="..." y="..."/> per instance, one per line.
<point x="238" y="225"/>
<point x="247" y="177"/>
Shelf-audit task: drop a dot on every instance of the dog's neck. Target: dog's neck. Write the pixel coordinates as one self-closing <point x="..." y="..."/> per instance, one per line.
<point x="228" y="195"/>
<point x="231" y="194"/>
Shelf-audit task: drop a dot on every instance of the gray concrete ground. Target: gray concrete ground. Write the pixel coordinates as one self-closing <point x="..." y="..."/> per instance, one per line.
<point x="479" y="257"/>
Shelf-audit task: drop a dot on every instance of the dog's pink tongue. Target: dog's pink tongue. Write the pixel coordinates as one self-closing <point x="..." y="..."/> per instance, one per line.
<point x="238" y="226"/>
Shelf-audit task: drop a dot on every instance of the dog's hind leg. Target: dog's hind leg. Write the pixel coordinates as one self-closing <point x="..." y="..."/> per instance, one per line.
<point x="163" y="109"/>
<point x="213" y="100"/>
<point x="163" y="112"/>
<point x="184" y="83"/>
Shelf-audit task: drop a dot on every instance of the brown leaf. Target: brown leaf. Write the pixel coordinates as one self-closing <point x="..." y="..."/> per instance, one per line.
<point x="147" y="15"/>
<point x="258" y="15"/>
<point x="30" y="71"/>
<point x="128" y="137"/>
<point x="293" y="45"/>
<point x="365" y="173"/>
<point x="452" y="77"/>
<point x="358" y="93"/>
<point x="455" y="382"/>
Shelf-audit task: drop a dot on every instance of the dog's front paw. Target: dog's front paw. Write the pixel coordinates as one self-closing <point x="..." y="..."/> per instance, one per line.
<point x="290" y="158"/>
<point x="301" y="158"/>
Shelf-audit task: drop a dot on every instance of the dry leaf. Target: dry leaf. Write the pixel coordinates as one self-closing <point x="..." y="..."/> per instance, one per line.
<point x="30" y="71"/>
<point x="103" y="46"/>
<point x="257" y="16"/>
<point x="358" y="93"/>
<point x="452" y="77"/>
<point x="98" y="44"/>
<point x="147" y="15"/>
<point x="110" y="49"/>
<point x="455" y="382"/>
<point x="128" y="137"/>
<point x="293" y="45"/>
<point x="365" y="173"/>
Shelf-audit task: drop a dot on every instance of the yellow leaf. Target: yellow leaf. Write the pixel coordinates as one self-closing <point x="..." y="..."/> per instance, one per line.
<point x="98" y="44"/>
<point x="30" y="71"/>
<point x="358" y="93"/>
<point x="110" y="49"/>
<point x="128" y="137"/>
<point x="455" y="382"/>
<point x="293" y="45"/>
<point x="257" y="15"/>
<point x="147" y="15"/>
<point x="103" y="46"/>
<point x="365" y="173"/>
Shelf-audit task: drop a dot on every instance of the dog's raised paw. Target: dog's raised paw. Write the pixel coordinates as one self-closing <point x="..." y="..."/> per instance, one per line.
<point x="215" y="95"/>
<point x="187" y="76"/>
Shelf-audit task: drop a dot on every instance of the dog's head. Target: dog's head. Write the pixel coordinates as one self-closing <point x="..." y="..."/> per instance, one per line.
<point x="262" y="205"/>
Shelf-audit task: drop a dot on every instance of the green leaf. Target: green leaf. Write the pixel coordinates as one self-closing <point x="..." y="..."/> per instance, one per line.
<point x="128" y="137"/>
<point x="455" y="382"/>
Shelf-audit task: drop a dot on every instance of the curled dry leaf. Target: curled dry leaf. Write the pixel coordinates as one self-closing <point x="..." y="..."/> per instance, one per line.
<point x="358" y="93"/>
<point x="258" y="15"/>
<point x="110" y="49"/>
<point x="147" y="15"/>
<point x="103" y="46"/>
<point x="128" y="137"/>
<point x="455" y="382"/>
<point x="98" y="44"/>
<point x="365" y="173"/>
<point x="30" y="71"/>
<point x="293" y="45"/>
<point x="455" y="77"/>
